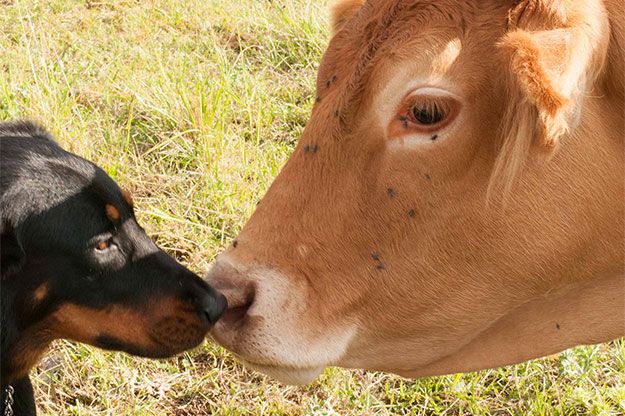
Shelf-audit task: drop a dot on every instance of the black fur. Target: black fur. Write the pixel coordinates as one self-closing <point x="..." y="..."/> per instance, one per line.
<point x="53" y="217"/>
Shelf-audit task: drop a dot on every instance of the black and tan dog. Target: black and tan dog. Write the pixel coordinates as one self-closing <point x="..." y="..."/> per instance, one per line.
<point x="77" y="265"/>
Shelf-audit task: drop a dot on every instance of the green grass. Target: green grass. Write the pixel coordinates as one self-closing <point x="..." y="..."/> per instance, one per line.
<point x="195" y="106"/>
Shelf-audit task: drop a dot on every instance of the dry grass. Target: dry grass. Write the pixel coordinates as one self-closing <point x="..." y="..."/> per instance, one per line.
<point x="195" y="106"/>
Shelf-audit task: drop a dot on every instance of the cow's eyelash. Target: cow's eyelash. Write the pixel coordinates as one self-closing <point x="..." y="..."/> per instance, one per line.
<point x="429" y="105"/>
<point x="426" y="112"/>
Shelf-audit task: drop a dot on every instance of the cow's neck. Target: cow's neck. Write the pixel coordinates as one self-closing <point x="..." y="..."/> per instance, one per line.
<point x="581" y="313"/>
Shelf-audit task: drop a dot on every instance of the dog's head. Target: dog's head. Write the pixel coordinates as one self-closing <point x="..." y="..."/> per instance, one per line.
<point x="77" y="265"/>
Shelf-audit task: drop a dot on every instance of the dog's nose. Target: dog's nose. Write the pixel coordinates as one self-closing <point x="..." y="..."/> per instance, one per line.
<point x="213" y="306"/>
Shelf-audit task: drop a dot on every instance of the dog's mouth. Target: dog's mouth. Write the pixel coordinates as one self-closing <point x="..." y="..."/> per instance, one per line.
<point x="153" y="351"/>
<point x="175" y="335"/>
<point x="108" y="342"/>
<point x="164" y="341"/>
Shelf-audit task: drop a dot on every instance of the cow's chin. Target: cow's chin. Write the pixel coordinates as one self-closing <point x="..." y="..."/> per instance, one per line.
<point x="289" y="356"/>
<point x="286" y="375"/>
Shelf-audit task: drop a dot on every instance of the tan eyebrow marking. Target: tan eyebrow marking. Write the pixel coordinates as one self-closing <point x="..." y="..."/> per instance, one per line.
<point x="41" y="292"/>
<point x="112" y="212"/>
<point x="128" y="197"/>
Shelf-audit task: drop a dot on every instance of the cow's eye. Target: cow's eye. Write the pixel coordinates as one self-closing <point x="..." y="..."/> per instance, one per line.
<point x="423" y="113"/>
<point x="427" y="114"/>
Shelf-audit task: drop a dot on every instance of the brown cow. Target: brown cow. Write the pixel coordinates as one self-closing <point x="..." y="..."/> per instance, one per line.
<point x="456" y="201"/>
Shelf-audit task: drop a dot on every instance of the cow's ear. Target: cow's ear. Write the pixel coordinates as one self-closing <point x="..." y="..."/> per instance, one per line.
<point x="555" y="50"/>
<point x="342" y="11"/>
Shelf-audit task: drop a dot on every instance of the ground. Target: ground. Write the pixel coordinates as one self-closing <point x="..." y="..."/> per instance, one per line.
<point x="194" y="106"/>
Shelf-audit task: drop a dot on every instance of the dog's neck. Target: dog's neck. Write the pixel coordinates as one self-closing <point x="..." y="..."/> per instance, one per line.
<point x="9" y="330"/>
<point x="23" y="333"/>
<point x="23" y="399"/>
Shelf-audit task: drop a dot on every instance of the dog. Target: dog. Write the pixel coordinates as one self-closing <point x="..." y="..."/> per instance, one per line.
<point x="76" y="265"/>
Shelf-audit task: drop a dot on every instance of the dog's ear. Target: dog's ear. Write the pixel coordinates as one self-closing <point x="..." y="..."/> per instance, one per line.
<point x="12" y="253"/>
<point x="342" y="11"/>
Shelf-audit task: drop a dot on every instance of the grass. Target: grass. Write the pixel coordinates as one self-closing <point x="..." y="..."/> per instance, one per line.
<point x="194" y="106"/>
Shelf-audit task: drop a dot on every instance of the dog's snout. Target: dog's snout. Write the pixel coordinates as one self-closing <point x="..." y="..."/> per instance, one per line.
<point x="212" y="307"/>
<point x="209" y="304"/>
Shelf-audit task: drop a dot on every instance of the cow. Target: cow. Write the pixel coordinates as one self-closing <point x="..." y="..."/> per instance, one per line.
<point x="455" y="202"/>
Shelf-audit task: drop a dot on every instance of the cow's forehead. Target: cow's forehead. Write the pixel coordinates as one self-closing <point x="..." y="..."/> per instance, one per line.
<point x="380" y="27"/>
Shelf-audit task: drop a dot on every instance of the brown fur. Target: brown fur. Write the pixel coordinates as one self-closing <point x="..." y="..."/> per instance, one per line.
<point x="343" y="11"/>
<point x="554" y="50"/>
<point x="169" y="322"/>
<point x="84" y="324"/>
<point x="41" y="292"/>
<point x="128" y="197"/>
<point x="465" y="285"/>
<point x="29" y="350"/>
<point x="112" y="212"/>
<point x="140" y="326"/>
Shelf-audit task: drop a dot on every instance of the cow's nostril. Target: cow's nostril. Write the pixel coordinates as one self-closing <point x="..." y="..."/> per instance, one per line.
<point x="237" y="314"/>
<point x="240" y="291"/>
<point x="239" y="302"/>
<point x="213" y="307"/>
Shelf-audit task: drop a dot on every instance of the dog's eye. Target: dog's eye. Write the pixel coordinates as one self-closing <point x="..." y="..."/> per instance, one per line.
<point x="104" y="245"/>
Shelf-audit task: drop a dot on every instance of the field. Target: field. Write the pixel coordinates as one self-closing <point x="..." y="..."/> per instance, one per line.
<point x="194" y="106"/>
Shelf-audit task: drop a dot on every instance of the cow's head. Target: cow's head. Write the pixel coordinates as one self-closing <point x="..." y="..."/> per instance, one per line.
<point x="456" y="189"/>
